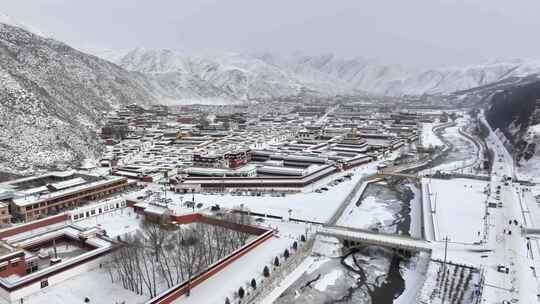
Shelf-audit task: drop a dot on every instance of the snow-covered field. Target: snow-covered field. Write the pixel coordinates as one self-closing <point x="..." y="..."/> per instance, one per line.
<point x="459" y="206"/>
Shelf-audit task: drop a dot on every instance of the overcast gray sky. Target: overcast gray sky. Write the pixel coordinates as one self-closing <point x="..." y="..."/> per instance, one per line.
<point x="411" y="32"/>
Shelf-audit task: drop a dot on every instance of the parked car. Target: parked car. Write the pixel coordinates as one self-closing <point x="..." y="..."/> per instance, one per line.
<point x="503" y="269"/>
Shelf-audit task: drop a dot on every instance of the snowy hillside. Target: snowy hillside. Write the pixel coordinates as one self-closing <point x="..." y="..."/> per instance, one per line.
<point x="241" y="76"/>
<point x="52" y="97"/>
<point x="229" y="77"/>
<point x="516" y="112"/>
<point x="372" y="77"/>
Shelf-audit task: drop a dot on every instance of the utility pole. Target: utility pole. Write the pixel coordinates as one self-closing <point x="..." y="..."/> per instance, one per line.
<point x="434" y="202"/>
<point x="446" y="239"/>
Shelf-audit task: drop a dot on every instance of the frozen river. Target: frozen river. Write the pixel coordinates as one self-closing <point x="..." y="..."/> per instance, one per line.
<point x="382" y="207"/>
<point x="368" y="274"/>
<point x="462" y="152"/>
<point x="372" y="274"/>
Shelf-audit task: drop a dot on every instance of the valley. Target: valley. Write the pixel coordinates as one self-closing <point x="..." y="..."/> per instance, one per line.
<point x="160" y="175"/>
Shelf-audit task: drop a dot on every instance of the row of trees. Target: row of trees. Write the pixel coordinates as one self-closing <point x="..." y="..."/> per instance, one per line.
<point x="241" y="292"/>
<point x="453" y="287"/>
<point x="157" y="256"/>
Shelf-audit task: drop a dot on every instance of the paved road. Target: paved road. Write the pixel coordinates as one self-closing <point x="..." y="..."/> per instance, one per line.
<point x="511" y="248"/>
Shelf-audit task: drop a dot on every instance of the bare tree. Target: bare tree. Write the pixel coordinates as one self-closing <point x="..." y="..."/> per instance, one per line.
<point x="159" y="255"/>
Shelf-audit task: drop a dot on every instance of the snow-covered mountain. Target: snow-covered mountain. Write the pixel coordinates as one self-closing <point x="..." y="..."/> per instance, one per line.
<point x="241" y="76"/>
<point x="238" y="77"/>
<point x="515" y="111"/>
<point x="395" y="80"/>
<point x="52" y="97"/>
<point x="230" y="77"/>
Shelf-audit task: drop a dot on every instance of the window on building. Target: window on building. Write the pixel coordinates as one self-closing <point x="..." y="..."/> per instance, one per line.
<point x="31" y="267"/>
<point x="2" y="268"/>
<point x="44" y="283"/>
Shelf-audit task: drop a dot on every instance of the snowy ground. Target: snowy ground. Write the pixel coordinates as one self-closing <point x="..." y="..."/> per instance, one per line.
<point x="240" y="272"/>
<point x="310" y="206"/>
<point x="324" y="250"/>
<point x="457" y="201"/>
<point x="414" y="273"/>
<point x="119" y="222"/>
<point x="459" y="287"/>
<point x="223" y="284"/>
<point x="95" y="284"/>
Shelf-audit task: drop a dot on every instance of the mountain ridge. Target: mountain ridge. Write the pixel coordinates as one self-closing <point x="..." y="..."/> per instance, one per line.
<point x="251" y="75"/>
<point x="53" y="98"/>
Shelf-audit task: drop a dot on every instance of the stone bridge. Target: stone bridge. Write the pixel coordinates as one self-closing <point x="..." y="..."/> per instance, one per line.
<point x="362" y="236"/>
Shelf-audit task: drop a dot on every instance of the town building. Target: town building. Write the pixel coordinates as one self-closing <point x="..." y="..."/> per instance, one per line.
<point x="39" y="196"/>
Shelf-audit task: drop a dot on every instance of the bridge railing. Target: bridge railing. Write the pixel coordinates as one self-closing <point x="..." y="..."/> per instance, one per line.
<point x="360" y="230"/>
<point x="387" y="240"/>
<point x="380" y="242"/>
